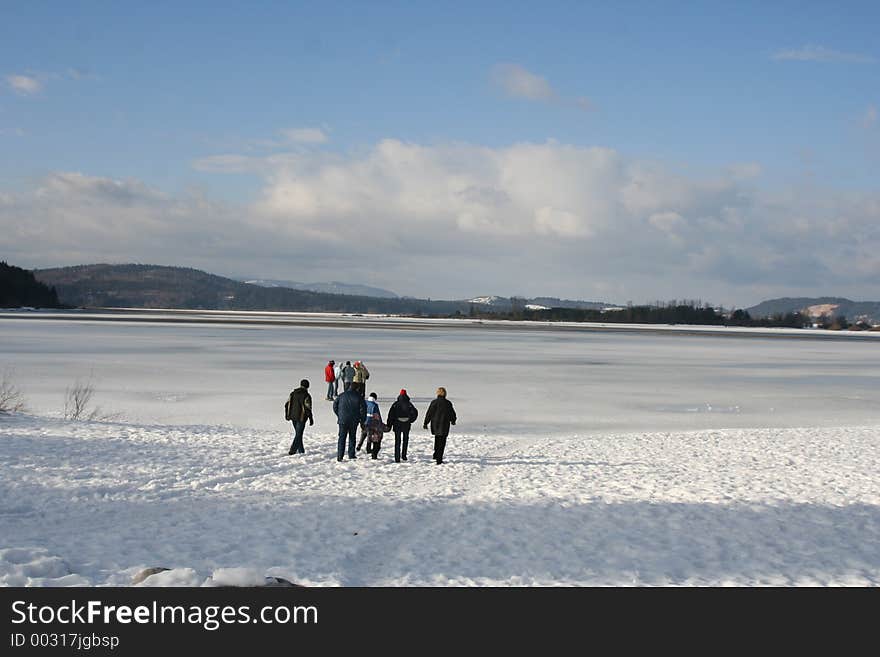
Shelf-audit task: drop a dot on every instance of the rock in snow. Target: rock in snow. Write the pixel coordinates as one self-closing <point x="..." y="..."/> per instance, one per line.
<point x="146" y="572"/>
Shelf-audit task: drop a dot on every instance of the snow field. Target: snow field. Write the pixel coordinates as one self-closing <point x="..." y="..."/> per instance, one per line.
<point x="94" y="503"/>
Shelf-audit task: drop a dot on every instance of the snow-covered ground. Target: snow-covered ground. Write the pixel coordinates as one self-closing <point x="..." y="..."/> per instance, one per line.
<point x="578" y="459"/>
<point x="84" y="503"/>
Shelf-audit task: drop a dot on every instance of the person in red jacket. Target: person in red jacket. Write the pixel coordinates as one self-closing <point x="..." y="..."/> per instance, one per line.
<point x="330" y="378"/>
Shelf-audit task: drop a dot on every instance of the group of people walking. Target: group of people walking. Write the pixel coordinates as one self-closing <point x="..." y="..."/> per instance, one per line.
<point x="352" y="376"/>
<point x="353" y="411"/>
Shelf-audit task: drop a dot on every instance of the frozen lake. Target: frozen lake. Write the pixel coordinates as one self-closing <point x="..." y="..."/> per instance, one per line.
<point x="513" y="380"/>
<point x="591" y="457"/>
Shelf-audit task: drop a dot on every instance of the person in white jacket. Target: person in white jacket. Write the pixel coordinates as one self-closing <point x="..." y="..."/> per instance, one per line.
<point x="337" y="371"/>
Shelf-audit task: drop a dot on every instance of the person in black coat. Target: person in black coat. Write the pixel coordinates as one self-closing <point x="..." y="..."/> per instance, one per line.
<point x="401" y="415"/>
<point x="440" y="414"/>
<point x="299" y="409"/>
<point x="350" y="409"/>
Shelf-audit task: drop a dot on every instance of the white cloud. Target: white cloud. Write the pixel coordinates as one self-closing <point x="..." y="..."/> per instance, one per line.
<point x="305" y="135"/>
<point x="519" y="82"/>
<point x="227" y="163"/>
<point x="666" y="221"/>
<point x="822" y="54"/>
<point x="869" y="118"/>
<point x="460" y="219"/>
<point x="78" y="73"/>
<point x="553" y="221"/>
<point x="584" y="103"/>
<point x="24" y="85"/>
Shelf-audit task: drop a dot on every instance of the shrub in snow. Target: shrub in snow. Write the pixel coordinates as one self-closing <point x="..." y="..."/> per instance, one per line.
<point x="77" y="403"/>
<point x="11" y="399"/>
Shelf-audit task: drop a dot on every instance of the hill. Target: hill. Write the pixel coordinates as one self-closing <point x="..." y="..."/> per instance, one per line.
<point x="19" y="287"/>
<point x="817" y="306"/>
<point x="156" y="286"/>
<point x="332" y="287"/>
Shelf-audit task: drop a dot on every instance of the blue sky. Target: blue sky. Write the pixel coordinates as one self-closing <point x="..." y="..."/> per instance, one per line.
<point x="148" y="95"/>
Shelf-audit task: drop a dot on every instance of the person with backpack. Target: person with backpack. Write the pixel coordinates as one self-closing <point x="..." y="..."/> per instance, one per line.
<point x="401" y="415"/>
<point x="298" y="409"/>
<point x="361" y="374"/>
<point x="330" y="378"/>
<point x="440" y="414"/>
<point x="350" y="409"/>
<point x="347" y="375"/>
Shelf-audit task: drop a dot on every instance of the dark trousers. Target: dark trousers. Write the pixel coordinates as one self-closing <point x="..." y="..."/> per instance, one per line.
<point x="439" y="448"/>
<point x="401" y="436"/>
<point x="346" y="431"/>
<point x="297" y="447"/>
<point x="373" y="448"/>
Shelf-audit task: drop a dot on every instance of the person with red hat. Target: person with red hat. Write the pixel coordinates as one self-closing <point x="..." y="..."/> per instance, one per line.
<point x="401" y="415"/>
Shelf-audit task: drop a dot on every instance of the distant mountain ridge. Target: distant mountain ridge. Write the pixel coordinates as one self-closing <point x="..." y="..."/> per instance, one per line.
<point x="332" y="287"/>
<point x="817" y="306"/>
<point x="158" y="286"/>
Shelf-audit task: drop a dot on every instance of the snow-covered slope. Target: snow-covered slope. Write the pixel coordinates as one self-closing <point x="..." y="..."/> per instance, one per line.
<point x="489" y="301"/>
<point x="94" y="503"/>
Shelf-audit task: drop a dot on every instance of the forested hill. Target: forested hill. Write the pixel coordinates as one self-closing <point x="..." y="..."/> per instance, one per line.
<point x="154" y="286"/>
<point x="816" y="306"/>
<point x="19" y="288"/>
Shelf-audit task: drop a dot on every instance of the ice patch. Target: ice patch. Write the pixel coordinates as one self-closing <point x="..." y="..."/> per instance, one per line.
<point x="36" y="567"/>
<point x="236" y="577"/>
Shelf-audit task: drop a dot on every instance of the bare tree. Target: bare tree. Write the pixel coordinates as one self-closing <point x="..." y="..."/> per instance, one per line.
<point x="77" y="398"/>
<point x="11" y="399"/>
<point x="78" y="403"/>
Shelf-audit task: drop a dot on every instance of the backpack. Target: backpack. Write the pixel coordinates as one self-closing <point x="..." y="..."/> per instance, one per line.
<point x="288" y="408"/>
<point x="404" y="412"/>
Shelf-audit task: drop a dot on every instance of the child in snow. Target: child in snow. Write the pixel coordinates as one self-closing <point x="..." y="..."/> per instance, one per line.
<point x="373" y="427"/>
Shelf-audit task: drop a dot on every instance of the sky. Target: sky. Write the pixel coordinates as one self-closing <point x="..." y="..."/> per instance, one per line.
<point x="619" y="151"/>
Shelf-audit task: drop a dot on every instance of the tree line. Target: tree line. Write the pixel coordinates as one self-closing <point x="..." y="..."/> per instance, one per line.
<point x="668" y="313"/>
<point x="18" y="288"/>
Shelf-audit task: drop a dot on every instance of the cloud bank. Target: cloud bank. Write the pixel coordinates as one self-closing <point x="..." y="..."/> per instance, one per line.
<point x="459" y="219"/>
